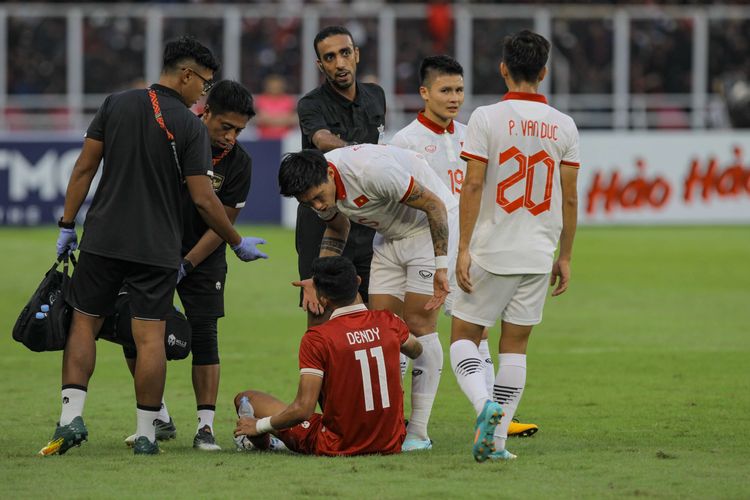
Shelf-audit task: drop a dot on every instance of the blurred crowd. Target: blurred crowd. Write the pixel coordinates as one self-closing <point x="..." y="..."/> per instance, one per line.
<point x="660" y="52"/>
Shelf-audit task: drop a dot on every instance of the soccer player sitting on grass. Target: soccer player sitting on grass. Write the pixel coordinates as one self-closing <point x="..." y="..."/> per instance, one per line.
<point x="350" y="364"/>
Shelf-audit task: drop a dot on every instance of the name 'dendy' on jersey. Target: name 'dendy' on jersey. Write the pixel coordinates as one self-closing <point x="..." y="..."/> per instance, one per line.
<point x="363" y="336"/>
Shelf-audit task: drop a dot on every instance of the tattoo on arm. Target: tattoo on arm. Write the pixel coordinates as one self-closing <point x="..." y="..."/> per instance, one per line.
<point x="333" y="245"/>
<point x="438" y="219"/>
<point x="417" y="191"/>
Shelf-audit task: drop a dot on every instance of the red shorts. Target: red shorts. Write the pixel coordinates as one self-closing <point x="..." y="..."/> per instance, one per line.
<point x="302" y="438"/>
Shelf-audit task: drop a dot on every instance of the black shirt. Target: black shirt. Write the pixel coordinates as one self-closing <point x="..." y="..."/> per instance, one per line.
<point x="136" y="213"/>
<point x="231" y="180"/>
<point x="361" y="121"/>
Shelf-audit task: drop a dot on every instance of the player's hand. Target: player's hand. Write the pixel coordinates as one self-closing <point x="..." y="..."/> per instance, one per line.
<point x="246" y="427"/>
<point x="67" y="241"/>
<point x="441" y="290"/>
<point x="561" y="275"/>
<point x="246" y="250"/>
<point x="463" y="267"/>
<point x="309" y="297"/>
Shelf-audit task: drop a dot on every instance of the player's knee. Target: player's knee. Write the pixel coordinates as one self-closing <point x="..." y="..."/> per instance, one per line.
<point x="420" y="324"/>
<point x="204" y="341"/>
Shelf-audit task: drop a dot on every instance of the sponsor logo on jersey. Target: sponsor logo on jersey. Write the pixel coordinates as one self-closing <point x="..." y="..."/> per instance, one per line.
<point x="430" y="148"/>
<point x="360" y="201"/>
<point x="425" y="274"/>
<point x="217" y="180"/>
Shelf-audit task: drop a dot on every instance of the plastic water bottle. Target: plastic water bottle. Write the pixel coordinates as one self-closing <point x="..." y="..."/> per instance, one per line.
<point x="245" y="409"/>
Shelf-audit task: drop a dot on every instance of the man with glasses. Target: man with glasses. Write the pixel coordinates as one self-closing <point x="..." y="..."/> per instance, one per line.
<point x="203" y="271"/>
<point x="152" y="146"/>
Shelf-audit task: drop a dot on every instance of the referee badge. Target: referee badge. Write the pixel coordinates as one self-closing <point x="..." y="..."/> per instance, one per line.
<point x="217" y="180"/>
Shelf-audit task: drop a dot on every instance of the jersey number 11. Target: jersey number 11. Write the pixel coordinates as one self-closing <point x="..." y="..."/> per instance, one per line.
<point x="361" y="356"/>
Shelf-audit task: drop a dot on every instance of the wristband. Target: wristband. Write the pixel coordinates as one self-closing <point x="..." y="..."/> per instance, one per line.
<point x="66" y="225"/>
<point x="263" y="425"/>
<point x="187" y="266"/>
<point x="441" y="262"/>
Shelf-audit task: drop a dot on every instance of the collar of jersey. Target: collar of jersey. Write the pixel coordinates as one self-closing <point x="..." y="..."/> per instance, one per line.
<point x="166" y="90"/>
<point x="340" y="189"/>
<point x="343" y="100"/>
<point x="525" y="96"/>
<point x="421" y="118"/>
<point x="348" y="310"/>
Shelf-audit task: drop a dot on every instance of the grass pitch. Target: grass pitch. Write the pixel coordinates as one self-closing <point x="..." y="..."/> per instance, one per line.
<point x="637" y="377"/>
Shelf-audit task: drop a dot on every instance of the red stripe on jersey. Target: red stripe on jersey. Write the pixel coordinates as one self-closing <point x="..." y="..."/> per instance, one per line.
<point x="570" y="164"/>
<point x="408" y="190"/>
<point x="340" y="189"/>
<point x="468" y="156"/>
<point x="525" y="96"/>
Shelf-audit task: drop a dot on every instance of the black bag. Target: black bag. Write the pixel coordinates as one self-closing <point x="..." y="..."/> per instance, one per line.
<point x="49" y="331"/>
<point x="118" y="329"/>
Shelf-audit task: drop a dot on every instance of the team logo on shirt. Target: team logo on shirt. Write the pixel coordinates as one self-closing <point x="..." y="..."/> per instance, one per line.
<point x="217" y="180"/>
<point x="431" y="148"/>
<point x="425" y="274"/>
<point x="361" y="200"/>
<point x="218" y="285"/>
<point x="305" y="424"/>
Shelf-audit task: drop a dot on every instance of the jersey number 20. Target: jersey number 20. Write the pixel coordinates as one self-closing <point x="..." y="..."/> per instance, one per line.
<point x="361" y="356"/>
<point x="527" y="167"/>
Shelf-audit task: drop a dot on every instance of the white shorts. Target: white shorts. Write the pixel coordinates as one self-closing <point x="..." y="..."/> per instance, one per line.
<point x="516" y="298"/>
<point x="408" y="264"/>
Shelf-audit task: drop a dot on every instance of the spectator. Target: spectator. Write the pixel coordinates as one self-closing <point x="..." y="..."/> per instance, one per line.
<point x="276" y="109"/>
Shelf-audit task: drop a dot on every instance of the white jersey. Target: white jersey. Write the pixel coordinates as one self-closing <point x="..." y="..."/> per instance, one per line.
<point x="523" y="141"/>
<point x="440" y="146"/>
<point x="372" y="183"/>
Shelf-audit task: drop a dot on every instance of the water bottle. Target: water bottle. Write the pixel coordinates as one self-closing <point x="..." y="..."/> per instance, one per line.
<point x="245" y="409"/>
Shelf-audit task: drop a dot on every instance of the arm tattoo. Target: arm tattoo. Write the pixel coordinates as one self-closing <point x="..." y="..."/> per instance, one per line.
<point x="416" y="193"/>
<point x="333" y="245"/>
<point x="438" y="219"/>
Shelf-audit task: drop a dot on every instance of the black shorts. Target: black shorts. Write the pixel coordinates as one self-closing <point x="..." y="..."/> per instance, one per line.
<point x="97" y="280"/>
<point x="309" y="232"/>
<point x="202" y="292"/>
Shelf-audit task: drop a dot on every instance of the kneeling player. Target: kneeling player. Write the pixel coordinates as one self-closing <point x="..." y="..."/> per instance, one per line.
<point x="351" y="365"/>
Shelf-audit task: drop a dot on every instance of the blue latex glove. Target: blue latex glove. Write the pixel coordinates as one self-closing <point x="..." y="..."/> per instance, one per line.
<point x="67" y="241"/>
<point x="181" y="273"/>
<point x="246" y="251"/>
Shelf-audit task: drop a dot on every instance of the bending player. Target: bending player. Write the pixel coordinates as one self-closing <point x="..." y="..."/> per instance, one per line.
<point x="518" y="201"/>
<point x="396" y="193"/>
<point x="439" y="137"/>
<point x="351" y="365"/>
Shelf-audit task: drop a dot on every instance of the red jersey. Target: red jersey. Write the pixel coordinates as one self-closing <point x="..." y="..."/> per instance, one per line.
<point x="357" y="354"/>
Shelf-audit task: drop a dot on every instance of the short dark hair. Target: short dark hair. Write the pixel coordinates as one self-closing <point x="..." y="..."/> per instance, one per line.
<point x="336" y="279"/>
<point x="176" y="52"/>
<point x="525" y="54"/>
<point x="438" y="65"/>
<point x="228" y="96"/>
<point x="330" y="31"/>
<point x="301" y="171"/>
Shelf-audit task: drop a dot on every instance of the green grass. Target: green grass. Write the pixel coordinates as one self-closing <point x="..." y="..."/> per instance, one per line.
<point x="638" y="378"/>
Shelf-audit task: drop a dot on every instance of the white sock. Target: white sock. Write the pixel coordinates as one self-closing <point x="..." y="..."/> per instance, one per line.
<point x="509" y="384"/>
<point x="145" y="423"/>
<point x="469" y="369"/>
<point x="73" y="400"/>
<point x="206" y="417"/>
<point x="425" y="378"/>
<point x="404" y="365"/>
<point x="489" y="368"/>
<point x="163" y="412"/>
